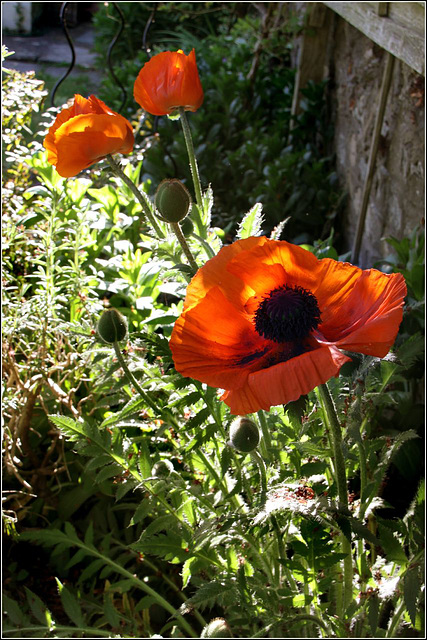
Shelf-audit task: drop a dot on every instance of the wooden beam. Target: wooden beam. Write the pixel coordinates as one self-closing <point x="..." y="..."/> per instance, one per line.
<point x="313" y="57"/>
<point x="401" y="32"/>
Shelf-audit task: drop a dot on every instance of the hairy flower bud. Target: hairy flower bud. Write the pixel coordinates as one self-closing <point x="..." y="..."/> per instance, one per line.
<point x="112" y="326"/>
<point x="172" y="200"/>
<point x="244" y="435"/>
<point x="216" y="628"/>
<point x="162" y="469"/>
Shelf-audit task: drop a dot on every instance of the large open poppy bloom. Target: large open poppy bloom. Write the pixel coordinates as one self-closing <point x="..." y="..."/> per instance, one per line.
<point x="85" y="133"/>
<point x="168" y="81"/>
<point x="265" y="320"/>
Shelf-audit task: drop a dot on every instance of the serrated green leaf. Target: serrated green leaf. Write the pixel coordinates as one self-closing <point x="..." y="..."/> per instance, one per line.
<point x="186" y="570"/>
<point x="199" y="418"/>
<point x="373" y="613"/>
<point x="70" y="605"/>
<point x="49" y="537"/>
<point x="74" y="429"/>
<point x="71" y="532"/>
<point x="169" y="547"/>
<point x="140" y="512"/>
<point x="133" y="407"/>
<point x="391" y="545"/>
<point x="277" y="231"/>
<point x="411" y="350"/>
<point x="214" y="592"/>
<point x="77" y="557"/>
<point x="411" y="591"/>
<point x="362" y="531"/>
<point x="322" y="562"/>
<point x="111" y="614"/>
<point x="226" y="457"/>
<point x="106" y="571"/>
<point x="92" y="568"/>
<point x="124" y="488"/>
<point x="161" y="523"/>
<point x="109" y="472"/>
<point x="251" y="223"/>
<point x="38" y="608"/>
<point x="186" y="509"/>
<point x="14" y="611"/>
<point x="89" y="535"/>
<point x="144" y="460"/>
<point x="99" y="461"/>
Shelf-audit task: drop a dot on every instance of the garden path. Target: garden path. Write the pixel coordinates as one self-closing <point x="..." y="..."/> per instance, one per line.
<point x="50" y="53"/>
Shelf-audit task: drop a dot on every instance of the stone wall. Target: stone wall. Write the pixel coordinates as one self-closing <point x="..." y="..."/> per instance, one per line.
<point x="397" y="202"/>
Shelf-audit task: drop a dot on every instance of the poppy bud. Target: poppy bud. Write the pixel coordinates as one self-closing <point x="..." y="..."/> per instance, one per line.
<point x="112" y="326"/>
<point x="244" y="435"/>
<point x="162" y="469"/>
<point x="217" y="628"/>
<point x="172" y="200"/>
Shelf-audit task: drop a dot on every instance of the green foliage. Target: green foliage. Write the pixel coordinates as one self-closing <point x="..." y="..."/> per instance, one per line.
<point x="243" y="133"/>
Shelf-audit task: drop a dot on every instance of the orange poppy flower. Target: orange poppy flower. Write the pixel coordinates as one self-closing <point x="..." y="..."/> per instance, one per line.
<point x="168" y="81"/>
<point x="265" y="320"/>
<point x="85" y="133"/>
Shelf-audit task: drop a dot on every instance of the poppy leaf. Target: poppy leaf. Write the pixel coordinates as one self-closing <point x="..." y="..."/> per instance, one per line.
<point x="252" y="222"/>
<point x="412" y="591"/>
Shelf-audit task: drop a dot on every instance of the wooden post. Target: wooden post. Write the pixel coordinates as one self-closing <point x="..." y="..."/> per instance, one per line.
<point x="314" y="50"/>
<point x="385" y="86"/>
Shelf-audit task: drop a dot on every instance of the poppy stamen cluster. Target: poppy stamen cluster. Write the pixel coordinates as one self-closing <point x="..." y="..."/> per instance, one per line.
<point x="287" y="314"/>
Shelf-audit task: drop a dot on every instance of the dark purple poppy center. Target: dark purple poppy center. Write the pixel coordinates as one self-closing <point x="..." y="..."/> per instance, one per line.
<point x="287" y="314"/>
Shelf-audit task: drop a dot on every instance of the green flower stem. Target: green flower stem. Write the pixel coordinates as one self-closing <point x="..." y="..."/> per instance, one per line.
<point x="217" y="479"/>
<point x="263" y="474"/>
<point x="334" y="427"/>
<point x="193" y="163"/>
<point x="237" y="463"/>
<point x="395" y="621"/>
<point x="140" y="196"/>
<point x="363" y="470"/>
<point x="183" y="242"/>
<point x="132" y="379"/>
<point x="362" y="555"/>
<point x="266" y="438"/>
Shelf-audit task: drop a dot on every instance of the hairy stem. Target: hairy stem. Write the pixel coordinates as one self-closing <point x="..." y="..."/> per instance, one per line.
<point x="193" y="165"/>
<point x="183" y="242"/>
<point x="141" y="197"/>
<point x="132" y="379"/>
<point x="334" y="427"/>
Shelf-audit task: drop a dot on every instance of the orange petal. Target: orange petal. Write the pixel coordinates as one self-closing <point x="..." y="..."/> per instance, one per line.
<point x="216" y="273"/>
<point x="168" y="81"/>
<point x="285" y="382"/>
<point x="299" y="266"/>
<point x="369" y="318"/>
<point x="86" y="139"/>
<point x="214" y="343"/>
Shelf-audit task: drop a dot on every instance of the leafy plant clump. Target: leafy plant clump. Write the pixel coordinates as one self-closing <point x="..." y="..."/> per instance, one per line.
<point x="128" y="509"/>
<point x="246" y="137"/>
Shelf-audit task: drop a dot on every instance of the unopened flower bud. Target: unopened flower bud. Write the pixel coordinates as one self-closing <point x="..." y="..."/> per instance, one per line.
<point x="162" y="469"/>
<point x="172" y="200"/>
<point x="244" y="435"/>
<point x="217" y="628"/>
<point x="112" y="326"/>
